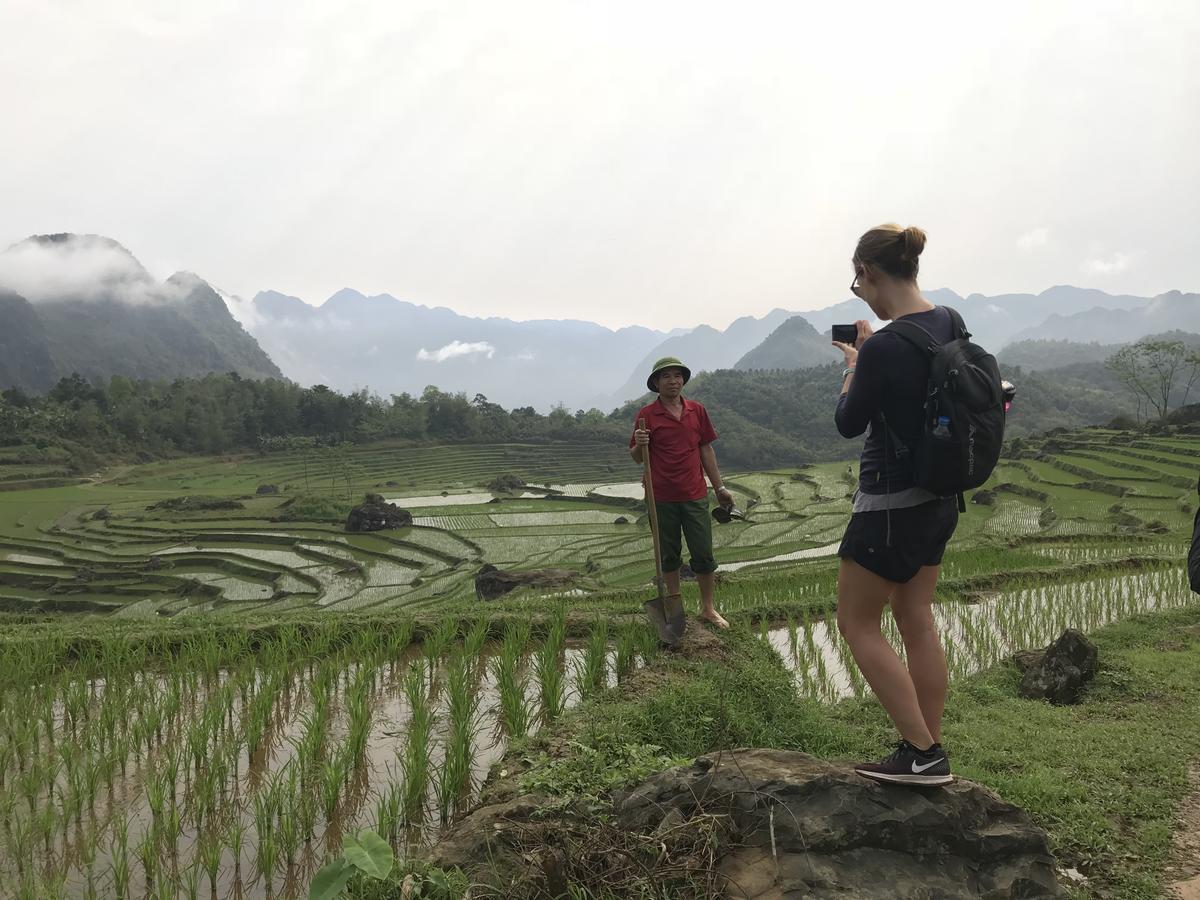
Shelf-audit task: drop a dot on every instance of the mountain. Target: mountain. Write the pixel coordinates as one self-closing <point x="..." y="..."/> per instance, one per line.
<point x="98" y="312"/>
<point x="998" y="320"/>
<point x="1044" y="355"/>
<point x="24" y="350"/>
<point x="1166" y="312"/>
<point x="793" y="345"/>
<point x="993" y="321"/>
<point x="704" y="348"/>
<point x="353" y="341"/>
<point x="767" y="418"/>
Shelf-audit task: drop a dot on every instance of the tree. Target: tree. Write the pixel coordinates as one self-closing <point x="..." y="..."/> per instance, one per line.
<point x="1150" y="368"/>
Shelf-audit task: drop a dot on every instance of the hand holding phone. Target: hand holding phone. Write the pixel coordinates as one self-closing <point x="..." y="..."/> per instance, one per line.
<point x="845" y="334"/>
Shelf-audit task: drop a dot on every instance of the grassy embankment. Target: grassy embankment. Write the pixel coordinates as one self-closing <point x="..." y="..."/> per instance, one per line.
<point x="1104" y="778"/>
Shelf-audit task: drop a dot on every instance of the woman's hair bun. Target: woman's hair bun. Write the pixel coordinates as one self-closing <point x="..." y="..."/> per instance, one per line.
<point x="892" y="249"/>
<point x="914" y="242"/>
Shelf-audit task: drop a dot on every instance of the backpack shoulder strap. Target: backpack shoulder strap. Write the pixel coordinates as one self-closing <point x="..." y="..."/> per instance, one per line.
<point x="960" y="327"/>
<point x="914" y="334"/>
<point x="921" y="338"/>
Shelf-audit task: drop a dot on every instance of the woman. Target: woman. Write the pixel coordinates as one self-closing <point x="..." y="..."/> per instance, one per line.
<point x="893" y="545"/>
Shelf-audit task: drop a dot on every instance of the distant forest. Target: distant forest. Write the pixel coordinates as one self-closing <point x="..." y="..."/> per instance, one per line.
<point x="765" y="418"/>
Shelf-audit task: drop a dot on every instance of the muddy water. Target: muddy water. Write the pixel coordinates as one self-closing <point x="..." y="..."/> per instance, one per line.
<point x="83" y="852"/>
<point x="977" y="636"/>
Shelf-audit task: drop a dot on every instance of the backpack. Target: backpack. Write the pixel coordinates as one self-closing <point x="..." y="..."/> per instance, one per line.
<point x="963" y="433"/>
<point x="1194" y="553"/>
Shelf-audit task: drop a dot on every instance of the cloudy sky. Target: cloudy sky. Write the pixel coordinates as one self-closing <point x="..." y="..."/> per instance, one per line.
<point x="663" y="163"/>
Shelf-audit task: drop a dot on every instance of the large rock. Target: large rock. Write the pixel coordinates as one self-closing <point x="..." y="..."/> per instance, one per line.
<point x="491" y="582"/>
<point x="376" y="514"/>
<point x="802" y="827"/>
<point x="787" y="825"/>
<point x="1063" y="670"/>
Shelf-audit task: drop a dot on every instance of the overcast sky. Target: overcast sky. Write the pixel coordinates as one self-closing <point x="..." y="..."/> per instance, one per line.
<point x="625" y="162"/>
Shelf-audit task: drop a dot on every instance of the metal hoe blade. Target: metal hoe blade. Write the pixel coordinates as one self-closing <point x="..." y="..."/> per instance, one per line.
<point x="657" y="616"/>
<point x="676" y="620"/>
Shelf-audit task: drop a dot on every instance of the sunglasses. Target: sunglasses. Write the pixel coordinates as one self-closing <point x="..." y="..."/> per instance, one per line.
<point x="859" y="271"/>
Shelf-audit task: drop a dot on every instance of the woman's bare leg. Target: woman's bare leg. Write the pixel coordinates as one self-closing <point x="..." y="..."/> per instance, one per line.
<point x="862" y="595"/>
<point x="912" y="609"/>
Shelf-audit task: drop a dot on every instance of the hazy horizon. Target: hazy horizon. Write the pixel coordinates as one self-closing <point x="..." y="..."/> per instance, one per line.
<point x="664" y="165"/>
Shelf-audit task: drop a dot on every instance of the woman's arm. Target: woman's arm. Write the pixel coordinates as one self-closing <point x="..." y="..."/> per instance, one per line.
<point x="862" y="390"/>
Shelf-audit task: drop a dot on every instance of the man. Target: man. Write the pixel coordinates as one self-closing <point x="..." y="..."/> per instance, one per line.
<point x="679" y="436"/>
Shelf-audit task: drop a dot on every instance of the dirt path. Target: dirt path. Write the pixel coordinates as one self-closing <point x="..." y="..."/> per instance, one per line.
<point x="1183" y="875"/>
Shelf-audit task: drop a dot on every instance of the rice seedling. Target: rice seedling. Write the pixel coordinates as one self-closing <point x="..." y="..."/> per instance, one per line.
<point x="548" y="665"/>
<point x="119" y="860"/>
<point x="235" y="840"/>
<point x="208" y="852"/>
<point x="332" y="777"/>
<point x="475" y="640"/>
<point x="626" y="654"/>
<point x="147" y="854"/>
<point x="592" y="669"/>
<point x="455" y="772"/>
<point x="389" y="807"/>
<point x="266" y="856"/>
<point x="306" y="811"/>
<point x="414" y="762"/>
<point x="512" y="682"/>
<point x="440" y="637"/>
<point x="191" y="882"/>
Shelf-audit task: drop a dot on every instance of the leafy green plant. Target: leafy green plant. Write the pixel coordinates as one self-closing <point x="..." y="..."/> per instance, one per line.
<point x="365" y="852"/>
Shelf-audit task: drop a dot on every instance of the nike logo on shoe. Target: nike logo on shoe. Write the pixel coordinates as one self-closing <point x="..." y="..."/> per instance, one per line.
<point x="917" y="770"/>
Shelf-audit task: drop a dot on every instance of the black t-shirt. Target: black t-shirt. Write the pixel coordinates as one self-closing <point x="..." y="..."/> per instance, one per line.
<point x="889" y="381"/>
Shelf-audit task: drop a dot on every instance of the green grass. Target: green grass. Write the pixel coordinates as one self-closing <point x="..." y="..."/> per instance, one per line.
<point x="184" y="593"/>
<point x="1104" y="778"/>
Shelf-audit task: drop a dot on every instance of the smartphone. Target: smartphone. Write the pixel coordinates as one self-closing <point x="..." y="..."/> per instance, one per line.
<point x="845" y="334"/>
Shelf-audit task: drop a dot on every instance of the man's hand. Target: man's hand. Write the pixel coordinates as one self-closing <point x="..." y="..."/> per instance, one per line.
<point x="724" y="497"/>
<point x="641" y="437"/>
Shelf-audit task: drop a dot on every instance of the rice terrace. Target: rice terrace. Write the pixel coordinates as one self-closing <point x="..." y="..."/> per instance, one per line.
<point x="210" y="688"/>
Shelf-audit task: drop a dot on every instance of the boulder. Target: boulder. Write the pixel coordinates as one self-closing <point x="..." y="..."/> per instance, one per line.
<point x="803" y="827"/>
<point x="1062" y="671"/>
<point x="504" y="483"/>
<point x="491" y="582"/>
<point x="786" y="825"/>
<point x="376" y="514"/>
<point x="984" y="498"/>
<point x="265" y="489"/>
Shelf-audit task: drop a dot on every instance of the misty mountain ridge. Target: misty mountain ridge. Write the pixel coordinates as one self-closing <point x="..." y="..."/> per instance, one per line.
<point x="83" y="303"/>
<point x="353" y="341"/>
<point x="1171" y="311"/>
<point x="994" y="321"/>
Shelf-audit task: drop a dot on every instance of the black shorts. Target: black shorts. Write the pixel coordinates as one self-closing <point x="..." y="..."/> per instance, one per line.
<point x="919" y="535"/>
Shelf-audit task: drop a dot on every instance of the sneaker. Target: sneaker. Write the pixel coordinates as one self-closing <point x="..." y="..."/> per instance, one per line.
<point x="908" y="765"/>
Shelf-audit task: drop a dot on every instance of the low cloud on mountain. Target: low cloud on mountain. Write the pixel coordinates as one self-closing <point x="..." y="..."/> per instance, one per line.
<point x="456" y="349"/>
<point x="77" y="267"/>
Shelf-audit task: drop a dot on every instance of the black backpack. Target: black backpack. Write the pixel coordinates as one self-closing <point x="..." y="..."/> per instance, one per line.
<point x="963" y="432"/>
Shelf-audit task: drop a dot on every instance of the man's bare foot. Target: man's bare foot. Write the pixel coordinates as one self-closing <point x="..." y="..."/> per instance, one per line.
<point x="711" y="615"/>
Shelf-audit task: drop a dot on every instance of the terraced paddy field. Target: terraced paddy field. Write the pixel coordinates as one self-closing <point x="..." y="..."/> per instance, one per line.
<point x="205" y="695"/>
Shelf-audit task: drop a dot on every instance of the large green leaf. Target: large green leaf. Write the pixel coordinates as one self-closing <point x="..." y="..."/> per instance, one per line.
<point x="331" y="880"/>
<point x="370" y="853"/>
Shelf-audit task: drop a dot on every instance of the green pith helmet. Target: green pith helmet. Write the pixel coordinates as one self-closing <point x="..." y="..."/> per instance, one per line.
<point x="667" y="362"/>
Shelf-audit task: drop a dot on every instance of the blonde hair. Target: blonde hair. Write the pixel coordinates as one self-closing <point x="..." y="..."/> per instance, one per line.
<point x="892" y="249"/>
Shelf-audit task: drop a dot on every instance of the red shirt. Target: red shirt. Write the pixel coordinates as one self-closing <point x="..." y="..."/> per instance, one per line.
<point x="675" y="450"/>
